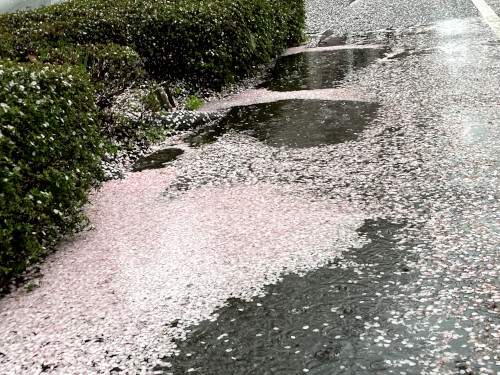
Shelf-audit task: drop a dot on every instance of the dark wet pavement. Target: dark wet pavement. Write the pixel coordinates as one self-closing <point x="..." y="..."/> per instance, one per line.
<point x="337" y="319"/>
<point x="157" y="159"/>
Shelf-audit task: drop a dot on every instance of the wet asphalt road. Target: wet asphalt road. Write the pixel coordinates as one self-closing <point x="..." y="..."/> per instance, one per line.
<point x="423" y="296"/>
<point x="420" y="160"/>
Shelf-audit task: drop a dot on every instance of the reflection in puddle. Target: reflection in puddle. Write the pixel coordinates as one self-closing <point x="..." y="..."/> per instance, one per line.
<point x="157" y="159"/>
<point x="335" y="320"/>
<point x="384" y="36"/>
<point x="332" y="40"/>
<point x="375" y="37"/>
<point x="319" y="70"/>
<point x="294" y="123"/>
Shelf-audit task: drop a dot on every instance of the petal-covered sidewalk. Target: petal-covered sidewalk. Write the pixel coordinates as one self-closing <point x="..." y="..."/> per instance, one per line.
<point x="109" y="296"/>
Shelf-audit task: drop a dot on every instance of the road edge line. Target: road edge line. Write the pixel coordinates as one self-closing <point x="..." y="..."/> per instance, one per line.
<point x="489" y="15"/>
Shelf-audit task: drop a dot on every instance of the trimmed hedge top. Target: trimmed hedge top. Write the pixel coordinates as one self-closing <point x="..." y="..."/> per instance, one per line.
<point x="211" y="42"/>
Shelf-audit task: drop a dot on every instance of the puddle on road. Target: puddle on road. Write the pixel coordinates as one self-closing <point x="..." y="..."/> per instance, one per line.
<point x="408" y="53"/>
<point x="330" y="39"/>
<point x="333" y="40"/>
<point x="319" y="70"/>
<point x="374" y="37"/>
<point x="384" y="37"/>
<point x="157" y="159"/>
<point x="338" y="319"/>
<point x="294" y="123"/>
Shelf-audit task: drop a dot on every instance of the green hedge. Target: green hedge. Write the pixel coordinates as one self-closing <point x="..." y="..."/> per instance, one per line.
<point x="50" y="153"/>
<point x="211" y="42"/>
<point x="112" y="68"/>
